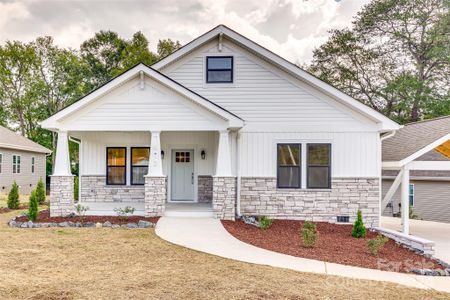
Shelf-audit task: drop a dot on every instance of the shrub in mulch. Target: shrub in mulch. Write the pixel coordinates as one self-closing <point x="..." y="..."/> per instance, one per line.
<point x="44" y="217"/>
<point x="335" y="244"/>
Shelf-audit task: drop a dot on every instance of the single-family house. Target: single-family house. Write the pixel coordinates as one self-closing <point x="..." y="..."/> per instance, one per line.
<point x="226" y="126"/>
<point x="21" y="160"/>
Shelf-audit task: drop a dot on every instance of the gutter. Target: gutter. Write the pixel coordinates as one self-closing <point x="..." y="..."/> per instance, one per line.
<point x="388" y="135"/>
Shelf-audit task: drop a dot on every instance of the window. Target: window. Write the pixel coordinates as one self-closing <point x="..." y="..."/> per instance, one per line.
<point x="1" y="161"/>
<point x="139" y="164"/>
<point x="288" y="165"/>
<point x="318" y="169"/>
<point x="411" y="195"/>
<point x="116" y="165"/>
<point x="182" y="156"/>
<point x="32" y="164"/>
<point x="219" y="69"/>
<point x="16" y="164"/>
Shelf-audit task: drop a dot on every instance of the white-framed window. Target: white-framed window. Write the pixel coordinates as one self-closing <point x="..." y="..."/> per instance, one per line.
<point x="32" y="164"/>
<point x="411" y="194"/>
<point x="1" y="161"/>
<point x="16" y="164"/>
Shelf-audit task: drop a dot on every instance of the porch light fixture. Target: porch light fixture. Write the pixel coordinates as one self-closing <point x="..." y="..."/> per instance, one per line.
<point x="162" y="154"/>
<point x="203" y="154"/>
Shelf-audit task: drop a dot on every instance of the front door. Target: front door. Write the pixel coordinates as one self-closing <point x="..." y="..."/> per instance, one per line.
<point x="182" y="181"/>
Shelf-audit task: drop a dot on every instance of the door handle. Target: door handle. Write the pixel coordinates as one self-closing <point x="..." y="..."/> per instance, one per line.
<point x="192" y="178"/>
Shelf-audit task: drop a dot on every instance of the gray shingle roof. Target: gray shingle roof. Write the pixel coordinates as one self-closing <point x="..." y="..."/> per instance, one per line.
<point x="11" y="140"/>
<point x="413" y="137"/>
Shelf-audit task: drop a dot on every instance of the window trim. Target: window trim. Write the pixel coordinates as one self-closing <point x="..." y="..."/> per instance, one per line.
<point x="131" y="164"/>
<point x="231" y="69"/>
<point x="299" y="185"/>
<point x="413" y="194"/>
<point x="124" y="166"/>
<point x="33" y="160"/>
<point x="316" y="166"/>
<point x="16" y="164"/>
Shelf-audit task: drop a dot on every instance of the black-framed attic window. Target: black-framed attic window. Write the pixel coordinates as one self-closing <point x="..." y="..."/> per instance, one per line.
<point x="318" y="166"/>
<point x="139" y="164"/>
<point x="289" y="165"/>
<point x="116" y="165"/>
<point x="219" y="69"/>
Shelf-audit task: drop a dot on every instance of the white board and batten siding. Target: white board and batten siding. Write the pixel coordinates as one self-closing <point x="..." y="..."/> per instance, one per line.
<point x="276" y="108"/>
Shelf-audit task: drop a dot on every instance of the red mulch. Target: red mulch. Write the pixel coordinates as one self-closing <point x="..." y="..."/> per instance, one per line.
<point x="4" y="210"/>
<point x="335" y="244"/>
<point x="44" y="217"/>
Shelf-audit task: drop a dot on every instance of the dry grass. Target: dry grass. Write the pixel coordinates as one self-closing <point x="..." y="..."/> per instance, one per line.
<point x="4" y="199"/>
<point x="120" y="264"/>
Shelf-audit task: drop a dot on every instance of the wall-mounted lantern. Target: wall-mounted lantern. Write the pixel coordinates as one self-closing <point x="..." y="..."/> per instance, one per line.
<point x="203" y="154"/>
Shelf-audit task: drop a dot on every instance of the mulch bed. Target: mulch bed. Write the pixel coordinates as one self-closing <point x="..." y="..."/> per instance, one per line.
<point x="335" y="244"/>
<point x="44" y="217"/>
<point x="4" y="210"/>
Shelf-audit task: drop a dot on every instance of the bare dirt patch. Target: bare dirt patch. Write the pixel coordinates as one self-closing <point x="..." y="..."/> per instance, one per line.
<point x="44" y="217"/>
<point x="335" y="244"/>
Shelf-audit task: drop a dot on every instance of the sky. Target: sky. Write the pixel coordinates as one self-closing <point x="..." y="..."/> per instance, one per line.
<point x="290" y="28"/>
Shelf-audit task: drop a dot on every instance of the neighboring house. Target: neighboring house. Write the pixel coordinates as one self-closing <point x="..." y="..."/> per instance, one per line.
<point x="222" y="121"/>
<point x="424" y="147"/>
<point x="21" y="160"/>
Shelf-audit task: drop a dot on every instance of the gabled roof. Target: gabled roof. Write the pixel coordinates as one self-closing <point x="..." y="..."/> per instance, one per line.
<point x="386" y="124"/>
<point x="52" y="122"/>
<point x="11" y="140"/>
<point x="416" y="139"/>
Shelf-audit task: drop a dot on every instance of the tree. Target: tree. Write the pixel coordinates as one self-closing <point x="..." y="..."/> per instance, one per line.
<point x="13" y="196"/>
<point x="167" y="47"/>
<point x="40" y="191"/>
<point x="33" y="206"/>
<point x="395" y="59"/>
<point x="137" y="51"/>
<point x="359" y="230"/>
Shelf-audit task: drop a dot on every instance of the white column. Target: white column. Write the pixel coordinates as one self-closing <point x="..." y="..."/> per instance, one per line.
<point x="62" y="160"/>
<point x="405" y="200"/>
<point x="223" y="165"/>
<point x="155" y="163"/>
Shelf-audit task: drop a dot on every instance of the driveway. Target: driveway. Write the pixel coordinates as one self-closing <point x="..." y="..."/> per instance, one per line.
<point x="433" y="231"/>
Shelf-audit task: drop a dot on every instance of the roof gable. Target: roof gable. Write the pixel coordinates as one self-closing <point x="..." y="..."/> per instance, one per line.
<point x="221" y="30"/>
<point x="12" y="140"/>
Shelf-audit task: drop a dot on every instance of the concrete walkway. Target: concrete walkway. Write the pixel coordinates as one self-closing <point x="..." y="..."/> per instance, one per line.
<point x="433" y="231"/>
<point x="209" y="236"/>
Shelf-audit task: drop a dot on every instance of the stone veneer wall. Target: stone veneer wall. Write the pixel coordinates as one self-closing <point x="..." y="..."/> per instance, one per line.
<point x="224" y="198"/>
<point x="155" y="195"/>
<point x="260" y="196"/>
<point x="205" y="188"/>
<point x="94" y="188"/>
<point x="61" y="195"/>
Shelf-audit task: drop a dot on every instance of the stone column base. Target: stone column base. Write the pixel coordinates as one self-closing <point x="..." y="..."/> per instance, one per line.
<point x="224" y="197"/>
<point x="61" y="195"/>
<point x="155" y="195"/>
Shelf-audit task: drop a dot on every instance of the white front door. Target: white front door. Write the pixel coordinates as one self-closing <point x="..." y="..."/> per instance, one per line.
<point x="182" y="181"/>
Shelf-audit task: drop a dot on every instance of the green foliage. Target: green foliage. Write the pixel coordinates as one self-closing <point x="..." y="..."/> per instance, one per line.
<point x="33" y="206"/>
<point x="309" y="234"/>
<point x="166" y="47"/>
<point x="13" y="196"/>
<point x="40" y="191"/>
<point x="376" y="244"/>
<point x="76" y="187"/>
<point x="264" y="222"/>
<point x="124" y="212"/>
<point x="412" y="215"/>
<point x="81" y="211"/>
<point x="359" y="230"/>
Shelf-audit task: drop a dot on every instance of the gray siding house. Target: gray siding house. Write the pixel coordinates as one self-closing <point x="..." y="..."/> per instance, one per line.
<point x="21" y="160"/>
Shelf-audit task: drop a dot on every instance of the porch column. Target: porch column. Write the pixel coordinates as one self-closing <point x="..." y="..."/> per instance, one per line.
<point x="155" y="181"/>
<point x="405" y="199"/>
<point x="224" y="183"/>
<point x="62" y="180"/>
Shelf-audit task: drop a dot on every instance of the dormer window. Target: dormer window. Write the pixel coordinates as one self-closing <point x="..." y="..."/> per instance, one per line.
<point x="219" y="69"/>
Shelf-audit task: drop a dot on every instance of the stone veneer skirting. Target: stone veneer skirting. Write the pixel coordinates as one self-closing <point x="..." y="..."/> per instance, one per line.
<point x="94" y="189"/>
<point x="205" y="188"/>
<point x="224" y="197"/>
<point x="61" y="195"/>
<point x="260" y="196"/>
<point x="155" y="195"/>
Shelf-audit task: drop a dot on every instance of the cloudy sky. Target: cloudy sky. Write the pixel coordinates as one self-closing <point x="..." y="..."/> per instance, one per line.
<point x="291" y="28"/>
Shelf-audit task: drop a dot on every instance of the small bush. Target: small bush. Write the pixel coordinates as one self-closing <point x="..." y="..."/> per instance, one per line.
<point x="359" y="230"/>
<point x="377" y="244"/>
<point x="309" y="234"/>
<point x="264" y="222"/>
<point x="412" y="215"/>
<point x="40" y="191"/>
<point x="81" y="210"/>
<point x="13" y="196"/>
<point x="125" y="212"/>
<point x="33" y="206"/>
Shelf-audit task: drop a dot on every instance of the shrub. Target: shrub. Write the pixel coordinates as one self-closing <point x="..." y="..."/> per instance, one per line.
<point x="359" y="230"/>
<point x="13" y="196"/>
<point x="309" y="234"/>
<point x="33" y="206"/>
<point x="264" y="222"/>
<point x="40" y="192"/>
<point x="412" y="215"/>
<point x="123" y="213"/>
<point x="75" y="188"/>
<point x="377" y="244"/>
<point x="81" y="210"/>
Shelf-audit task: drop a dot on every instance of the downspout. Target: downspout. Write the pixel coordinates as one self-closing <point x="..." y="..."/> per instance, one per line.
<point x="238" y="174"/>
<point x="77" y="141"/>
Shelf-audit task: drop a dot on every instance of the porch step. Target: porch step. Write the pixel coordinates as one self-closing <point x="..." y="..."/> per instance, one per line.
<point x="188" y="214"/>
<point x="189" y="210"/>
